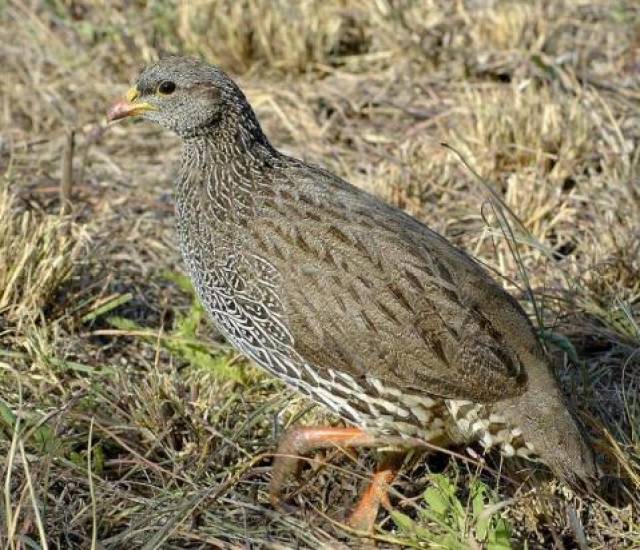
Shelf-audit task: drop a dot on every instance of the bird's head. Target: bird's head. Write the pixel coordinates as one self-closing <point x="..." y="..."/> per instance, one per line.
<point x="187" y="96"/>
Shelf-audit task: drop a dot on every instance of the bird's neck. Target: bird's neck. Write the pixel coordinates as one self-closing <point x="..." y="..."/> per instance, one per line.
<point x="221" y="174"/>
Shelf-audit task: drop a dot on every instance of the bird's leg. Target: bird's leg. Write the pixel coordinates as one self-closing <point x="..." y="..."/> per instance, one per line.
<point x="364" y="516"/>
<point x="298" y="442"/>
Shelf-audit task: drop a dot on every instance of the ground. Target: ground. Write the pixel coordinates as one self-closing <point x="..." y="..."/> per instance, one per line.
<point x="511" y="127"/>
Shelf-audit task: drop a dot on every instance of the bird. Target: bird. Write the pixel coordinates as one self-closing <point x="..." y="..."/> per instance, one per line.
<point x="349" y="300"/>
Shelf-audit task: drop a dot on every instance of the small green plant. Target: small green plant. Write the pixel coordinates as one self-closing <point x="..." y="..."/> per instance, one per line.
<point x="182" y="340"/>
<point x="39" y="435"/>
<point x="445" y="522"/>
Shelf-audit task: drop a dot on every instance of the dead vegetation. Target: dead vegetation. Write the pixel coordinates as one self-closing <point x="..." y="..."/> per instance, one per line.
<point x="125" y="421"/>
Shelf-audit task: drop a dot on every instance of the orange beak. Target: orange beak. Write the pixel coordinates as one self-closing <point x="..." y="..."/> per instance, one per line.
<point x="128" y="106"/>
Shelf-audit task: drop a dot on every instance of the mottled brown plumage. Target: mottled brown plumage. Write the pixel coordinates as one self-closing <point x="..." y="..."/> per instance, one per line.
<point x="348" y="299"/>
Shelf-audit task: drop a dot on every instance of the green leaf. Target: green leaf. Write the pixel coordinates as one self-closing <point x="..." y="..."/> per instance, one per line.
<point x="121" y="323"/>
<point x="478" y="501"/>
<point x="43" y="438"/>
<point x="182" y="340"/>
<point x="450" y="542"/>
<point x="46" y="440"/>
<point x="501" y="536"/>
<point x="412" y="528"/>
<point x="502" y="545"/>
<point x="188" y="325"/>
<point x="403" y="521"/>
<point x="76" y="458"/>
<point x="107" y="307"/>
<point x="436" y="501"/>
<point x="7" y="416"/>
<point x="478" y="497"/>
<point x="563" y="343"/>
<point x="81" y="367"/>
<point x="482" y="528"/>
<point x="97" y="455"/>
<point x="181" y="280"/>
<point x="452" y="524"/>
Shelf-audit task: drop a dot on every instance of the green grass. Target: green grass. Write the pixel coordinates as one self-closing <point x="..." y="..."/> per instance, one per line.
<point x="455" y="524"/>
<point x="182" y="340"/>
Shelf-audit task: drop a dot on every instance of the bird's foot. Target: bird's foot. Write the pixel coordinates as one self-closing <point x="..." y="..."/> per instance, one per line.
<point x="298" y="442"/>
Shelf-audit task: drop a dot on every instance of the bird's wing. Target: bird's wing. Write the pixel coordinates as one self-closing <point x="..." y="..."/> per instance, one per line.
<point x="371" y="292"/>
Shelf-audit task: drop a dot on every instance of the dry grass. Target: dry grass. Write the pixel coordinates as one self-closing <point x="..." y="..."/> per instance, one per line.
<point x="125" y="421"/>
<point x="39" y="252"/>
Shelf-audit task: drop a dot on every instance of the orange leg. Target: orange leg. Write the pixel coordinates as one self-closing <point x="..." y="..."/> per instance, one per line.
<point x="364" y="516"/>
<point x="300" y="441"/>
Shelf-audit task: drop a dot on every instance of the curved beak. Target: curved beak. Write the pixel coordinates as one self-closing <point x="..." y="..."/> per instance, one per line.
<point x="128" y="106"/>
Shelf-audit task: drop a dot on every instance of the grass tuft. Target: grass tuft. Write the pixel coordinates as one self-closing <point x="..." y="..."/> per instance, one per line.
<point x="38" y="253"/>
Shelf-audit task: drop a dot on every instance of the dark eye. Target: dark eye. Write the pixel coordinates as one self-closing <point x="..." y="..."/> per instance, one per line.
<point x="167" y="87"/>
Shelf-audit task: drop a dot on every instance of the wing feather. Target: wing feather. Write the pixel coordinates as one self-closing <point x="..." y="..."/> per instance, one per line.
<point x="370" y="291"/>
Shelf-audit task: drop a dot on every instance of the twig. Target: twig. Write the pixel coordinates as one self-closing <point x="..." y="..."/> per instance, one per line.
<point x="66" y="183"/>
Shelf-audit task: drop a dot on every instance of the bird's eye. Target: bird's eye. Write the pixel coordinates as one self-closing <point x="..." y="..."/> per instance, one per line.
<point x="167" y="87"/>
